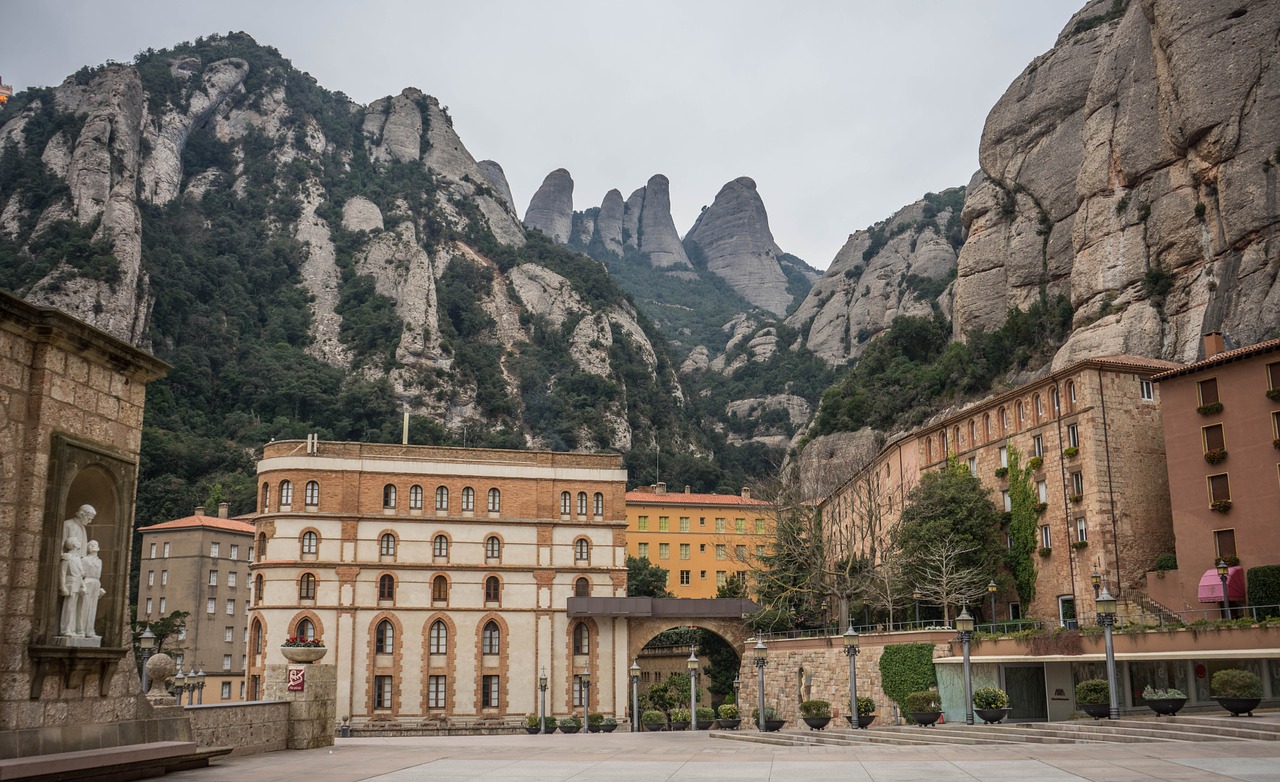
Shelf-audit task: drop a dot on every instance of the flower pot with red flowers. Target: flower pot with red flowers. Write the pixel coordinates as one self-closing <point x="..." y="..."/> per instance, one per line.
<point x="302" y="650"/>
<point x="1216" y="455"/>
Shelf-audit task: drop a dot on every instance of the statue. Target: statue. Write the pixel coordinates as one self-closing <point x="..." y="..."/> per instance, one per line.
<point x="91" y="565"/>
<point x="71" y="587"/>
<point x="78" y="525"/>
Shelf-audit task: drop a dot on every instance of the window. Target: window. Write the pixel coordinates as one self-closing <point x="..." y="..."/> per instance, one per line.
<point x="415" y="497"/>
<point x="1213" y="438"/>
<point x="262" y="547"/>
<point x="684" y="578"/>
<point x="973" y="466"/>
<point x="382" y="692"/>
<point x="389" y="496"/>
<point x="387" y="545"/>
<point x="1003" y="416"/>
<point x="214" y="550"/>
<point x="1004" y="456"/>
<point x="231" y="607"/>
<point x="664" y="524"/>
<point x="1147" y="390"/>
<point x="565" y="503"/>
<point x="153" y="551"/>
<point x="1021" y="413"/>
<point x="1039" y="407"/>
<point x="384" y="638"/>
<point x="266" y="497"/>
<point x="581" y="638"/>
<point x="740" y="552"/>
<point x="438" y="638"/>
<point x="643" y="550"/>
<point x="582" y="550"/>
<point x="490" y="638"/>
<point x="226" y="691"/>
<point x="386" y="587"/>
<point x="1273" y="375"/>
<point x="440" y="590"/>
<point x="1073" y="436"/>
<point x="1224" y="542"/>
<point x="684" y="523"/>
<point x="582" y="503"/>
<point x="1042" y="491"/>
<point x="684" y="550"/>
<point x="235" y="552"/>
<point x="719" y="525"/>
<point x="166" y="551"/>
<point x="231" y="579"/>
<point x="151" y="578"/>
<point x="720" y="551"/>
<point x="286" y="493"/>
<point x="928" y="450"/>
<point x="973" y="433"/>
<point x="148" y="606"/>
<point x="1208" y="391"/>
<point x="307" y="587"/>
<point x="492" y="590"/>
<point x="305" y="630"/>
<point x="664" y="551"/>
<point x="582" y="588"/>
<point x="740" y="526"/>
<point x="702" y="574"/>
<point x="1037" y="445"/>
<point x="492" y="547"/>
<point x="722" y="577"/>
<point x="211" y="606"/>
<point x="1053" y="399"/>
<point x="598" y="502"/>
<point x="435" y="692"/>
<point x="258" y="583"/>
<point x="986" y="426"/>
<point x="468" y="499"/>
<point x="577" y="690"/>
<point x="310" y="543"/>
<point x="1045" y="541"/>
<point x="759" y="551"/>
<point x="313" y="494"/>
<point x="442" y="498"/>
<point x="495" y="501"/>
<point x="440" y="547"/>
<point x="1077" y="483"/>
<point x="1219" y="488"/>
<point x="759" y="526"/>
<point x="226" y="662"/>
<point x="642" y="523"/>
<point x="1082" y="532"/>
<point x="164" y="578"/>
<point x="1071" y="393"/>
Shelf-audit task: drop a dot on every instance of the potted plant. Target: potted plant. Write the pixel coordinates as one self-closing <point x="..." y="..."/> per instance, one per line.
<point x="1070" y="451"/>
<point x="1166" y="702"/>
<point x="1035" y="463"/>
<point x="866" y="713"/>
<point x="302" y="650"/>
<point x="1221" y="506"/>
<point x="1216" y="456"/>
<point x="653" y="720"/>
<point x="1002" y="472"/>
<point x="1236" y="690"/>
<point x="570" y="724"/>
<point x="728" y="716"/>
<point x="706" y="715"/>
<point x="1273" y="394"/>
<point x="1213" y="408"/>
<point x="1093" y="697"/>
<point x="679" y="719"/>
<point x="533" y="725"/>
<point x="609" y="725"/>
<point x="816" y="714"/>
<point x="991" y="704"/>
<point x="771" y="721"/>
<point x="924" y="707"/>
<point x="595" y="722"/>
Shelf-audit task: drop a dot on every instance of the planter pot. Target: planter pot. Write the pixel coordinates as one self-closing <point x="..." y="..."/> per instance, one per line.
<point x="1096" y="710"/>
<point x="925" y="718"/>
<point x="864" y="721"/>
<point x="772" y="726"/>
<point x="682" y="725"/>
<point x="816" y="723"/>
<point x="570" y="728"/>
<point x="992" y="716"/>
<point x="531" y="731"/>
<point x="729" y="724"/>
<point x="1167" y="706"/>
<point x="1238" y="706"/>
<point x="609" y="728"/>
<point x="595" y="729"/>
<point x="706" y="725"/>
<point x="654" y="727"/>
<point x="303" y="654"/>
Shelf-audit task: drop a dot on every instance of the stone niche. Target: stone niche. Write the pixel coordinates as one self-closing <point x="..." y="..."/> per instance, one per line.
<point x="83" y="474"/>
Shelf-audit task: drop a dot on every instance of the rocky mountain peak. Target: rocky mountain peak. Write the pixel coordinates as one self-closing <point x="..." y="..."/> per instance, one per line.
<point x="647" y="225"/>
<point x="551" y="208"/>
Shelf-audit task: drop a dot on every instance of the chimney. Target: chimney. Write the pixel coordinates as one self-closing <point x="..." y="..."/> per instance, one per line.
<point x="746" y="492"/>
<point x="1214" y="344"/>
<point x="660" y="488"/>
<point x="686" y="489"/>
<point x="199" y="510"/>
<point x="223" y="509"/>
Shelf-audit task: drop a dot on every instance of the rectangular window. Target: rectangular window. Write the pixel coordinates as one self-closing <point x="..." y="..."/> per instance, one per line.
<point x="226" y="662"/>
<point x="1004" y="456"/>
<point x="235" y="552"/>
<point x="166" y="551"/>
<point x="214" y="550"/>
<point x="213" y="578"/>
<point x="435" y="692"/>
<point x="643" y="550"/>
<point x="684" y="550"/>
<point x="489" y="692"/>
<point x="664" y="524"/>
<point x="759" y="526"/>
<point x="226" y="691"/>
<point x="684" y="523"/>
<point x="228" y="634"/>
<point x="1008" y="502"/>
<point x="231" y="608"/>
<point x="1219" y="488"/>
<point x="231" y="579"/>
<point x="1213" y="438"/>
<point x="1042" y="491"/>
<point x="164" y="578"/>
<point x="1037" y="445"/>
<point x="1147" y="390"/>
<point x="721" y="577"/>
<point x="151" y="578"/>
<point x="1082" y="532"/>
<point x="1208" y="391"/>
<point x="1045" y="541"/>
<point x="382" y="692"/>
<point x="1073" y="435"/>
<point x="685" y="577"/>
<point x="153" y="551"/>
<point x="1275" y="425"/>
<point x="1273" y="375"/>
<point x="702" y="574"/>
<point x="211" y="607"/>
<point x="719" y="525"/>
<point x="1077" y="483"/>
<point x="720" y="551"/>
<point x="740" y="526"/>
<point x="1224" y="542"/>
<point x="664" y="551"/>
<point x="740" y="552"/>
<point x="148" y="606"/>
<point x="162" y="606"/>
<point x="642" y="523"/>
<point x="973" y="465"/>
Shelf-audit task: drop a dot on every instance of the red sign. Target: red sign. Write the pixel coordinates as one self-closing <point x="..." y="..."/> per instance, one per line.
<point x="297" y="679"/>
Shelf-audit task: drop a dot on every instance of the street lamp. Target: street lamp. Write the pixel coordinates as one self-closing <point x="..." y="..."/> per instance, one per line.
<point x="991" y="590"/>
<point x="200" y="686"/>
<point x="851" y="649"/>
<point x="964" y="623"/>
<point x="825" y="616"/>
<point x="147" y="643"/>
<point x="586" y="699"/>
<point x="915" y="595"/>
<point x="635" y="695"/>
<point x="179" y="685"/>
<point x="759" y="657"/>
<point x="542" y="707"/>
<point x="737" y="685"/>
<point x="1223" y="572"/>
<point x="1107" y="618"/>
<point x="692" y="665"/>
<point x="1096" y="580"/>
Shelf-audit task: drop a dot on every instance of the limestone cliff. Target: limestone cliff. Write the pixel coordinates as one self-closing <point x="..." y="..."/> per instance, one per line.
<point x="551" y="208"/>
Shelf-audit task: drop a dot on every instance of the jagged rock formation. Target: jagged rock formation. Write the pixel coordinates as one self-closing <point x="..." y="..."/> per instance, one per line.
<point x="497" y="179"/>
<point x="647" y="225"/>
<point x="551" y="208"/>
<point x="1133" y="167"/>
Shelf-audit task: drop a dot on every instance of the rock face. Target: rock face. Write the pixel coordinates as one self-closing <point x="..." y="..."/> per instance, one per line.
<point x="551" y="208"/>
<point x="648" y="227"/>
<point x="497" y="179"/>
<point x="608" y="227"/>
<point x="733" y="236"/>
<point x="1133" y="168"/>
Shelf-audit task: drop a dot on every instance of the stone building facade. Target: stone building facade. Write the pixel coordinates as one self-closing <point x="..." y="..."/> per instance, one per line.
<point x="200" y="564"/>
<point x="438" y="577"/>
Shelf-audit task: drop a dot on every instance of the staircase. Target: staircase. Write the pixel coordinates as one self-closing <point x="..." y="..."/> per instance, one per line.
<point x="1136" y="607"/>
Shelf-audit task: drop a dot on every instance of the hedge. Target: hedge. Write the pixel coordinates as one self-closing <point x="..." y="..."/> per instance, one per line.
<point x="907" y="668"/>
<point x="1264" y="588"/>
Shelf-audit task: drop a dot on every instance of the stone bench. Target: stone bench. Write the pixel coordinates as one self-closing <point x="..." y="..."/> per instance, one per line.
<point x="131" y="761"/>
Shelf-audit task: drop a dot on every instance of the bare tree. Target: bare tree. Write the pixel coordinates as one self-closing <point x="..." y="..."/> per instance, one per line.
<point x="887" y="584"/>
<point x="944" y="580"/>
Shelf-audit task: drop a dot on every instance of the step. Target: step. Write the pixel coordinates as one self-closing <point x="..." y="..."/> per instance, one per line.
<point x="1130" y="731"/>
<point x="1220" y="727"/>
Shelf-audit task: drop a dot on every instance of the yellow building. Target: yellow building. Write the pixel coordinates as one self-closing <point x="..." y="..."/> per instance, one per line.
<point x="701" y="540"/>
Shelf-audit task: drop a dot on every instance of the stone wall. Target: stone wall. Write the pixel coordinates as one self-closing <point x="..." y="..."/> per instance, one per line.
<point x="312" y="717"/>
<point x="254" y="727"/>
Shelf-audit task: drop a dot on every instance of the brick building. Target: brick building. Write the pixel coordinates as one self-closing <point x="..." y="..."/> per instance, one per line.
<point x="200" y="564"/>
<point x="701" y="540"/>
<point x="438" y="577"/>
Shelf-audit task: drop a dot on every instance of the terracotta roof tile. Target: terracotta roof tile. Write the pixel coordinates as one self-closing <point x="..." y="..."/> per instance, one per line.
<point x="1225" y="357"/>
<point x="212" y="522"/>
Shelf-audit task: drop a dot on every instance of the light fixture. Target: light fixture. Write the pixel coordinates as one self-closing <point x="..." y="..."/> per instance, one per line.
<point x="850" y="638"/>
<point x="1095" y="579"/>
<point x="759" y="653"/>
<point x="1106" y="603"/>
<point x="1223" y="569"/>
<point x="692" y="662"/>
<point x="991" y="587"/>
<point x="964" y="622"/>
<point x="542" y="679"/>
<point x="147" y="641"/>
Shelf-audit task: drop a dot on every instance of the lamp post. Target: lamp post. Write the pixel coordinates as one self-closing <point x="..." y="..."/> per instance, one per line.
<point x="586" y="699"/>
<point x="146" y="643"/>
<point x="964" y="623"/>
<point x="179" y="686"/>
<point x="1096" y="580"/>
<point x="759" y="657"/>
<point x="1223" y="572"/>
<point x="915" y="595"/>
<point x="200" y="686"/>
<point x="737" y="685"/>
<point x="692" y="665"/>
<point x="851" y="649"/>
<point x="991" y="590"/>
<point x="635" y="695"/>
<point x="191" y="686"/>
<point x="542" y="706"/>
<point x="1107" y="618"/>
<point x="825" y="613"/>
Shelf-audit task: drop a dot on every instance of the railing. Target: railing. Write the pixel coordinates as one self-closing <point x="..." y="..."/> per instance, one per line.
<point x="887" y="627"/>
<point x="1175" y="619"/>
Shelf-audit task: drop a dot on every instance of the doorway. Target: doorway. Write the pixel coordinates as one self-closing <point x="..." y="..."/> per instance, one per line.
<point x="1067" y="612"/>
<point x="1026" y="689"/>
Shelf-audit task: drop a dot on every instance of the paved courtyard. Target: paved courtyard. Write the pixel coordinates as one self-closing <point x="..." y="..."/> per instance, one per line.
<point x="652" y="757"/>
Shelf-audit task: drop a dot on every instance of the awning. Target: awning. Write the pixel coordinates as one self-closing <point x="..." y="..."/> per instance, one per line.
<point x="1211" y="585"/>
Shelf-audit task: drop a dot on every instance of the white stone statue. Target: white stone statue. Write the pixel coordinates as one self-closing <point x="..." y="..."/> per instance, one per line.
<point x="91" y="565"/>
<point x="78" y="525"/>
<point x="71" y="587"/>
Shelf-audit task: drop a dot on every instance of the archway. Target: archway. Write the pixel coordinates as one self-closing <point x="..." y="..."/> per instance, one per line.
<point x="663" y="661"/>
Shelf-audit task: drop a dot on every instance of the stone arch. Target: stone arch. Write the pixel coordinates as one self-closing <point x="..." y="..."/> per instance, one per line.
<point x="641" y="631"/>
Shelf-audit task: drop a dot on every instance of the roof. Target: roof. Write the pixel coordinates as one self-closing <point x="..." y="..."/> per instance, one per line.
<point x="683" y="498"/>
<point x="1225" y="357"/>
<point x="206" y="522"/>
<point x="1138" y="362"/>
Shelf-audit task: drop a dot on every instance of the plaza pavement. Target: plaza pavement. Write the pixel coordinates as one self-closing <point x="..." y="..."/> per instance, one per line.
<point x="650" y="757"/>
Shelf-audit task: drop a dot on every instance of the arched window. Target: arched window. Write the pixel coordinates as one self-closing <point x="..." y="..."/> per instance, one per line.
<point x="384" y="638"/>
<point x="492" y="589"/>
<point x="495" y="500"/>
<point x="986" y="426"/>
<point x="307" y="587"/>
<point x="1002" y="418"/>
<point x="582" y="550"/>
<point x="955" y="440"/>
<point x="946" y="449"/>
<point x="1021" y="413"/>
<point x="492" y="547"/>
<point x="389" y="496"/>
<point x="581" y="638"/>
<point x="415" y="497"/>
<point x="313" y="493"/>
<point x="565" y="500"/>
<point x="599" y="504"/>
<point x="258" y="584"/>
<point x="440" y="546"/>
<point x="1053" y="399"/>
<point x="286" y="492"/>
<point x="438" y="638"/>
<point x="440" y="590"/>
<point x="387" y="545"/>
<point x="305" y="630"/>
<point x="582" y="588"/>
<point x="255" y="638"/>
<point x="973" y="433"/>
<point x="928" y="450"/>
<point x="468" y="499"/>
<point x="262" y="546"/>
<point x="582" y="503"/>
<point x="1039" y="407"/>
<point x="387" y="587"/>
<point x="266" y="498"/>
<point x="442" y="498"/>
<point x="310" y="542"/>
<point x="490" y="638"/>
<point x="1071" y="394"/>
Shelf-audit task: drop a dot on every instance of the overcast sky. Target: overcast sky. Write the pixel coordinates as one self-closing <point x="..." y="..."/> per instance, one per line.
<point x="842" y="111"/>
